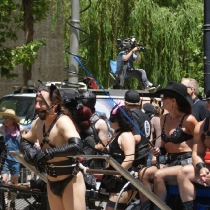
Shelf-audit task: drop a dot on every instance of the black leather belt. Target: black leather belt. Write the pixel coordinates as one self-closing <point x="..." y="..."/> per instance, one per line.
<point x="179" y="156"/>
<point x="62" y="168"/>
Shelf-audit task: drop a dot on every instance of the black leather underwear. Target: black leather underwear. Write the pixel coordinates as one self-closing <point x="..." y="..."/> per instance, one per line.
<point x="57" y="187"/>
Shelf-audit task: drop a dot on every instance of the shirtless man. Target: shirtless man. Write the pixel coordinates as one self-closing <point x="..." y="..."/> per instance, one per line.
<point x="58" y="139"/>
<point x="199" y="172"/>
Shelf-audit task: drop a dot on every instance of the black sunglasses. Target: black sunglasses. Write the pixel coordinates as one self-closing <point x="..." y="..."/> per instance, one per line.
<point x="6" y="118"/>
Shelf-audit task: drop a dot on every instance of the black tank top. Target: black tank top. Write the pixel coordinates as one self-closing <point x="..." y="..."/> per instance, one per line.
<point x="115" y="150"/>
<point x="178" y="136"/>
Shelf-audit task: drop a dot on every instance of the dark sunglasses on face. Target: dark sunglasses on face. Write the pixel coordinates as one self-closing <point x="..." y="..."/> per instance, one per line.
<point x="6" y="118"/>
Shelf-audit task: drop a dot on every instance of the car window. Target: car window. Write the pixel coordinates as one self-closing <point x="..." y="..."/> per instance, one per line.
<point x="23" y="107"/>
<point x="105" y="105"/>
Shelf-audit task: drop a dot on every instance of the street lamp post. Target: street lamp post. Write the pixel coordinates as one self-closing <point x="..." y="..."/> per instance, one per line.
<point x="206" y="30"/>
<point x="74" y="40"/>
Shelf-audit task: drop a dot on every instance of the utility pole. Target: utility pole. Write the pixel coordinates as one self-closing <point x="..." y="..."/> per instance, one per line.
<point x="206" y="30"/>
<point x="74" y="40"/>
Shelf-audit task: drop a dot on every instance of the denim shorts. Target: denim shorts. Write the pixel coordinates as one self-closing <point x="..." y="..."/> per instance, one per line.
<point x="12" y="167"/>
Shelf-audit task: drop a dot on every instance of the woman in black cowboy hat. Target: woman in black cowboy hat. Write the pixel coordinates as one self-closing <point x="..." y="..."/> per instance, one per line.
<point x="176" y="139"/>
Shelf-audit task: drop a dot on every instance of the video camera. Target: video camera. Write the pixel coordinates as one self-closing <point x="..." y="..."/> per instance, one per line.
<point x="129" y="43"/>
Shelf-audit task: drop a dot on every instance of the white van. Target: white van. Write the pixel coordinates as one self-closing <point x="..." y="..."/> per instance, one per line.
<point x="23" y="103"/>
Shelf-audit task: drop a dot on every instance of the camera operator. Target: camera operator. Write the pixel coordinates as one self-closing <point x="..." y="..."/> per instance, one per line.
<point x="125" y="67"/>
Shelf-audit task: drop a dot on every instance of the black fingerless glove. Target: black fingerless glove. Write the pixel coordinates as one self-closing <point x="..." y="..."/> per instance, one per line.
<point x="73" y="147"/>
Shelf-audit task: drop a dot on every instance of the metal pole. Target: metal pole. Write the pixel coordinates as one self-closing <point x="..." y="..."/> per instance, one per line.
<point x="138" y="184"/>
<point x="19" y="157"/>
<point x="206" y="30"/>
<point x="115" y="165"/>
<point x="130" y="178"/>
<point x="74" y="40"/>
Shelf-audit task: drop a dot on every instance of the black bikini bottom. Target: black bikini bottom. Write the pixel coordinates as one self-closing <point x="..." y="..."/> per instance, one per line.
<point x="57" y="187"/>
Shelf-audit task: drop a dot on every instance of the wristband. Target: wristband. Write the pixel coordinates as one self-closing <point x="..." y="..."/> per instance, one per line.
<point x="200" y="165"/>
<point x="162" y="150"/>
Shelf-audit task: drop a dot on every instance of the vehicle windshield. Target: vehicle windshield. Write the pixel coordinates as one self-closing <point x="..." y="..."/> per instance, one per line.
<point x="23" y="107"/>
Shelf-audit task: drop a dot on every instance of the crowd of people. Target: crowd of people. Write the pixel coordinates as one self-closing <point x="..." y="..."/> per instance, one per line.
<point x="163" y="143"/>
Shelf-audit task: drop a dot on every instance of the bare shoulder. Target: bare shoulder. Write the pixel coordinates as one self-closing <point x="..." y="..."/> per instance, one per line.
<point x="100" y="124"/>
<point x="36" y="123"/>
<point x="155" y="120"/>
<point x="63" y="120"/>
<point x="66" y="126"/>
<point x="190" y="119"/>
<point x="127" y="136"/>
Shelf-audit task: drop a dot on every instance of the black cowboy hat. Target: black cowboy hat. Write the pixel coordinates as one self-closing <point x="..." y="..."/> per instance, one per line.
<point x="177" y="90"/>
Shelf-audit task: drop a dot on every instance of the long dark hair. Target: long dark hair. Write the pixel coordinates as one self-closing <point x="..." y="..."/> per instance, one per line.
<point x="124" y="123"/>
<point x="183" y="106"/>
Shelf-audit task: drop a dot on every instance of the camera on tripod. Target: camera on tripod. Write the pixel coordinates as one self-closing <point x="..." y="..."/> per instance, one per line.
<point x="130" y="43"/>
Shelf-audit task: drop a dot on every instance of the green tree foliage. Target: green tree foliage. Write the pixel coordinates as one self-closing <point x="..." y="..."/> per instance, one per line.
<point x="11" y="20"/>
<point x="171" y="31"/>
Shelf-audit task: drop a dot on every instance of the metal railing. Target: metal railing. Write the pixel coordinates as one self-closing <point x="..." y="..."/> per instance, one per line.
<point x="115" y="165"/>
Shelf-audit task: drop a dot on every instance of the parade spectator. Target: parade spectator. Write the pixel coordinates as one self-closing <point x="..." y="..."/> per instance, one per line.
<point x="11" y="129"/>
<point x="199" y="109"/>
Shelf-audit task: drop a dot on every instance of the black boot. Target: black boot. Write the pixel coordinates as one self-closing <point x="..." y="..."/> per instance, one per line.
<point x="189" y="205"/>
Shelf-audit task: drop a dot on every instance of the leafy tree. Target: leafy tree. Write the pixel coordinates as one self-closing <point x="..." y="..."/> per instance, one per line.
<point x="14" y="16"/>
<point x="171" y="32"/>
